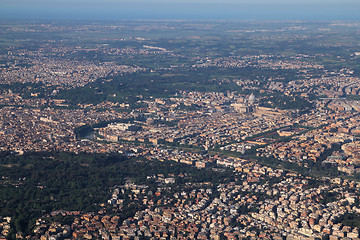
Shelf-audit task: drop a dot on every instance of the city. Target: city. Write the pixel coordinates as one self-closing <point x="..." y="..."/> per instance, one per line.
<point x="166" y="130"/>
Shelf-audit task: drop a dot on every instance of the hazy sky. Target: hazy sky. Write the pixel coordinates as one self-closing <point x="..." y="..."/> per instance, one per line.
<point x="182" y="9"/>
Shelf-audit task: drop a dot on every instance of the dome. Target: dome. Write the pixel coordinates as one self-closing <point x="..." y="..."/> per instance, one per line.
<point x="252" y="98"/>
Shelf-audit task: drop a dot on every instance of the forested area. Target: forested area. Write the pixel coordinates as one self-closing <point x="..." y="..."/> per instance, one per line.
<point x="35" y="184"/>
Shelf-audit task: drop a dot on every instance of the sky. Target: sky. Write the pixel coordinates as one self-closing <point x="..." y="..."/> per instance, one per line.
<point x="181" y="9"/>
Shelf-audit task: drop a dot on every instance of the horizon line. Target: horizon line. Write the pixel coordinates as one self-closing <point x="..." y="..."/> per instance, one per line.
<point x="179" y="20"/>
